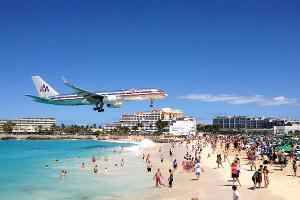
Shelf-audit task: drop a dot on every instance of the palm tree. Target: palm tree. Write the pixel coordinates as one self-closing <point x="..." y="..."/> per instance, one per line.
<point x="238" y="128"/>
<point x="8" y="127"/>
<point x="62" y="127"/>
<point x="53" y="128"/>
<point x="161" y="125"/>
<point x="134" y="128"/>
<point x="215" y="128"/>
<point x="40" y="129"/>
<point x="140" y="126"/>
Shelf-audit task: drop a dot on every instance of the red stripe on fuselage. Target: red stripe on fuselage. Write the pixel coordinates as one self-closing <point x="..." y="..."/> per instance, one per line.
<point x="77" y="98"/>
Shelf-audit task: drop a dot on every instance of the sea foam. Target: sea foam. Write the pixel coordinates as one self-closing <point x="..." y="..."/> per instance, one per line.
<point x="137" y="149"/>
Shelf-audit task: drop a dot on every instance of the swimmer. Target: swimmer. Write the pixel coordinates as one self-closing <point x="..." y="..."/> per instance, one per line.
<point x="96" y="169"/>
<point x="106" y="159"/>
<point x="94" y="159"/>
<point x="122" y="162"/>
<point x="55" y="160"/>
<point x="46" y="166"/>
<point x="62" y="174"/>
<point x="82" y="165"/>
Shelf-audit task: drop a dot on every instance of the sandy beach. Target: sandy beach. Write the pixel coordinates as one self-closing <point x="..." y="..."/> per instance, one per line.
<point x="215" y="183"/>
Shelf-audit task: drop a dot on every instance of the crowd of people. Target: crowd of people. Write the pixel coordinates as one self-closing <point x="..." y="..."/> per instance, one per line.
<point x="257" y="153"/>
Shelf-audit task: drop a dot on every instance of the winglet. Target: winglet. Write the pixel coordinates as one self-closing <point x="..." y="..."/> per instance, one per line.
<point x="64" y="80"/>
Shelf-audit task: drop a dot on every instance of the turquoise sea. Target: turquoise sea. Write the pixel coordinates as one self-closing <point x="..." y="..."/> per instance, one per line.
<point x="23" y="174"/>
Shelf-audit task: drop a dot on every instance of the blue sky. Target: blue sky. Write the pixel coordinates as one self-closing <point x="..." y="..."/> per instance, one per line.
<point x="211" y="57"/>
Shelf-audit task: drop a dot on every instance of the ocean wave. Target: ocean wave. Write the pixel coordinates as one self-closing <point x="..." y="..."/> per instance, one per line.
<point x="137" y="149"/>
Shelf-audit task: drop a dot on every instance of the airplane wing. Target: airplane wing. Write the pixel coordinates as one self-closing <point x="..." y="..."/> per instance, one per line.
<point x="89" y="96"/>
<point x="38" y="99"/>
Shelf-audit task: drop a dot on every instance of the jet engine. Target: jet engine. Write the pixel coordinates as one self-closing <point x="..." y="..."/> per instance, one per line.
<point x="110" y="98"/>
<point x="115" y="105"/>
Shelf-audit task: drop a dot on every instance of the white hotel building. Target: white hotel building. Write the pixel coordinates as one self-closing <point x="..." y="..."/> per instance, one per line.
<point x="183" y="126"/>
<point x="29" y="125"/>
<point x="147" y="119"/>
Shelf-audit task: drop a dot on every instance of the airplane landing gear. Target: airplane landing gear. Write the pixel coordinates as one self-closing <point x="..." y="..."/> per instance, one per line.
<point x="99" y="108"/>
<point x="151" y="104"/>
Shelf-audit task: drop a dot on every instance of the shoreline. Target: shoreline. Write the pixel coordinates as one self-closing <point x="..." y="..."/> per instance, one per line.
<point x="124" y="138"/>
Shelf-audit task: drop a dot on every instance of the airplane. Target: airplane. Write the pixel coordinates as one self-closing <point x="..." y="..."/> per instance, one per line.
<point x="112" y="99"/>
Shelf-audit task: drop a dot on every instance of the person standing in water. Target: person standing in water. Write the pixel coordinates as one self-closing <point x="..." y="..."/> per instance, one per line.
<point x="149" y="166"/>
<point x="158" y="178"/>
<point x="62" y="174"/>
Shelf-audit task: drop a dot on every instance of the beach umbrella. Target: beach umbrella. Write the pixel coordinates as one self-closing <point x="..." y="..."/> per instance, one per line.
<point x="284" y="148"/>
<point x="290" y="140"/>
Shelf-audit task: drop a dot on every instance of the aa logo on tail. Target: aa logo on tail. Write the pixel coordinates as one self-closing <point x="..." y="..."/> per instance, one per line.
<point x="44" y="88"/>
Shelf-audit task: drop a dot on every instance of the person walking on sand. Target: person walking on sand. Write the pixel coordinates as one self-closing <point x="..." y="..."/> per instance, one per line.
<point x="219" y="160"/>
<point x="257" y="177"/>
<point x="266" y="176"/>
<point x="198" y="168"/>
<point x="236" y="194"/>
<point x="175" y="164"/>
<point x="158" y="178"/>
<point x="235" y="173"/>
<point x="171" y="178"/>
<point x="295" y="167"/>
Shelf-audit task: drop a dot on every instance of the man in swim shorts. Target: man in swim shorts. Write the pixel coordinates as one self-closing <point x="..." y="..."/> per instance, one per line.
<point x="157" y="178"/>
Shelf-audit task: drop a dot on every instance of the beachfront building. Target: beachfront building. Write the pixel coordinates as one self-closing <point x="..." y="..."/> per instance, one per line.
<point x="28" y="125"/>
<point x="146" y="120"/>
<point x="246" y="122"/>
<point x="183" y="126"/>
<point x="286" y="129"/>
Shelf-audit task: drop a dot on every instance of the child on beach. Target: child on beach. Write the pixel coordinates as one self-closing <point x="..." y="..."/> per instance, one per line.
<point x="198" y="168"/>
<point x="266" y="176"/>
<point x="236" y="194"/>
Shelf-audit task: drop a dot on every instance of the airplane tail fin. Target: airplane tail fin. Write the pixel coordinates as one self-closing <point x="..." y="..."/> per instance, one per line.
<point x="43" y="88"/>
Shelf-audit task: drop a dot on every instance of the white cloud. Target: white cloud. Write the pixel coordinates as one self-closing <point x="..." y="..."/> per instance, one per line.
<point x="236" y="99"/>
